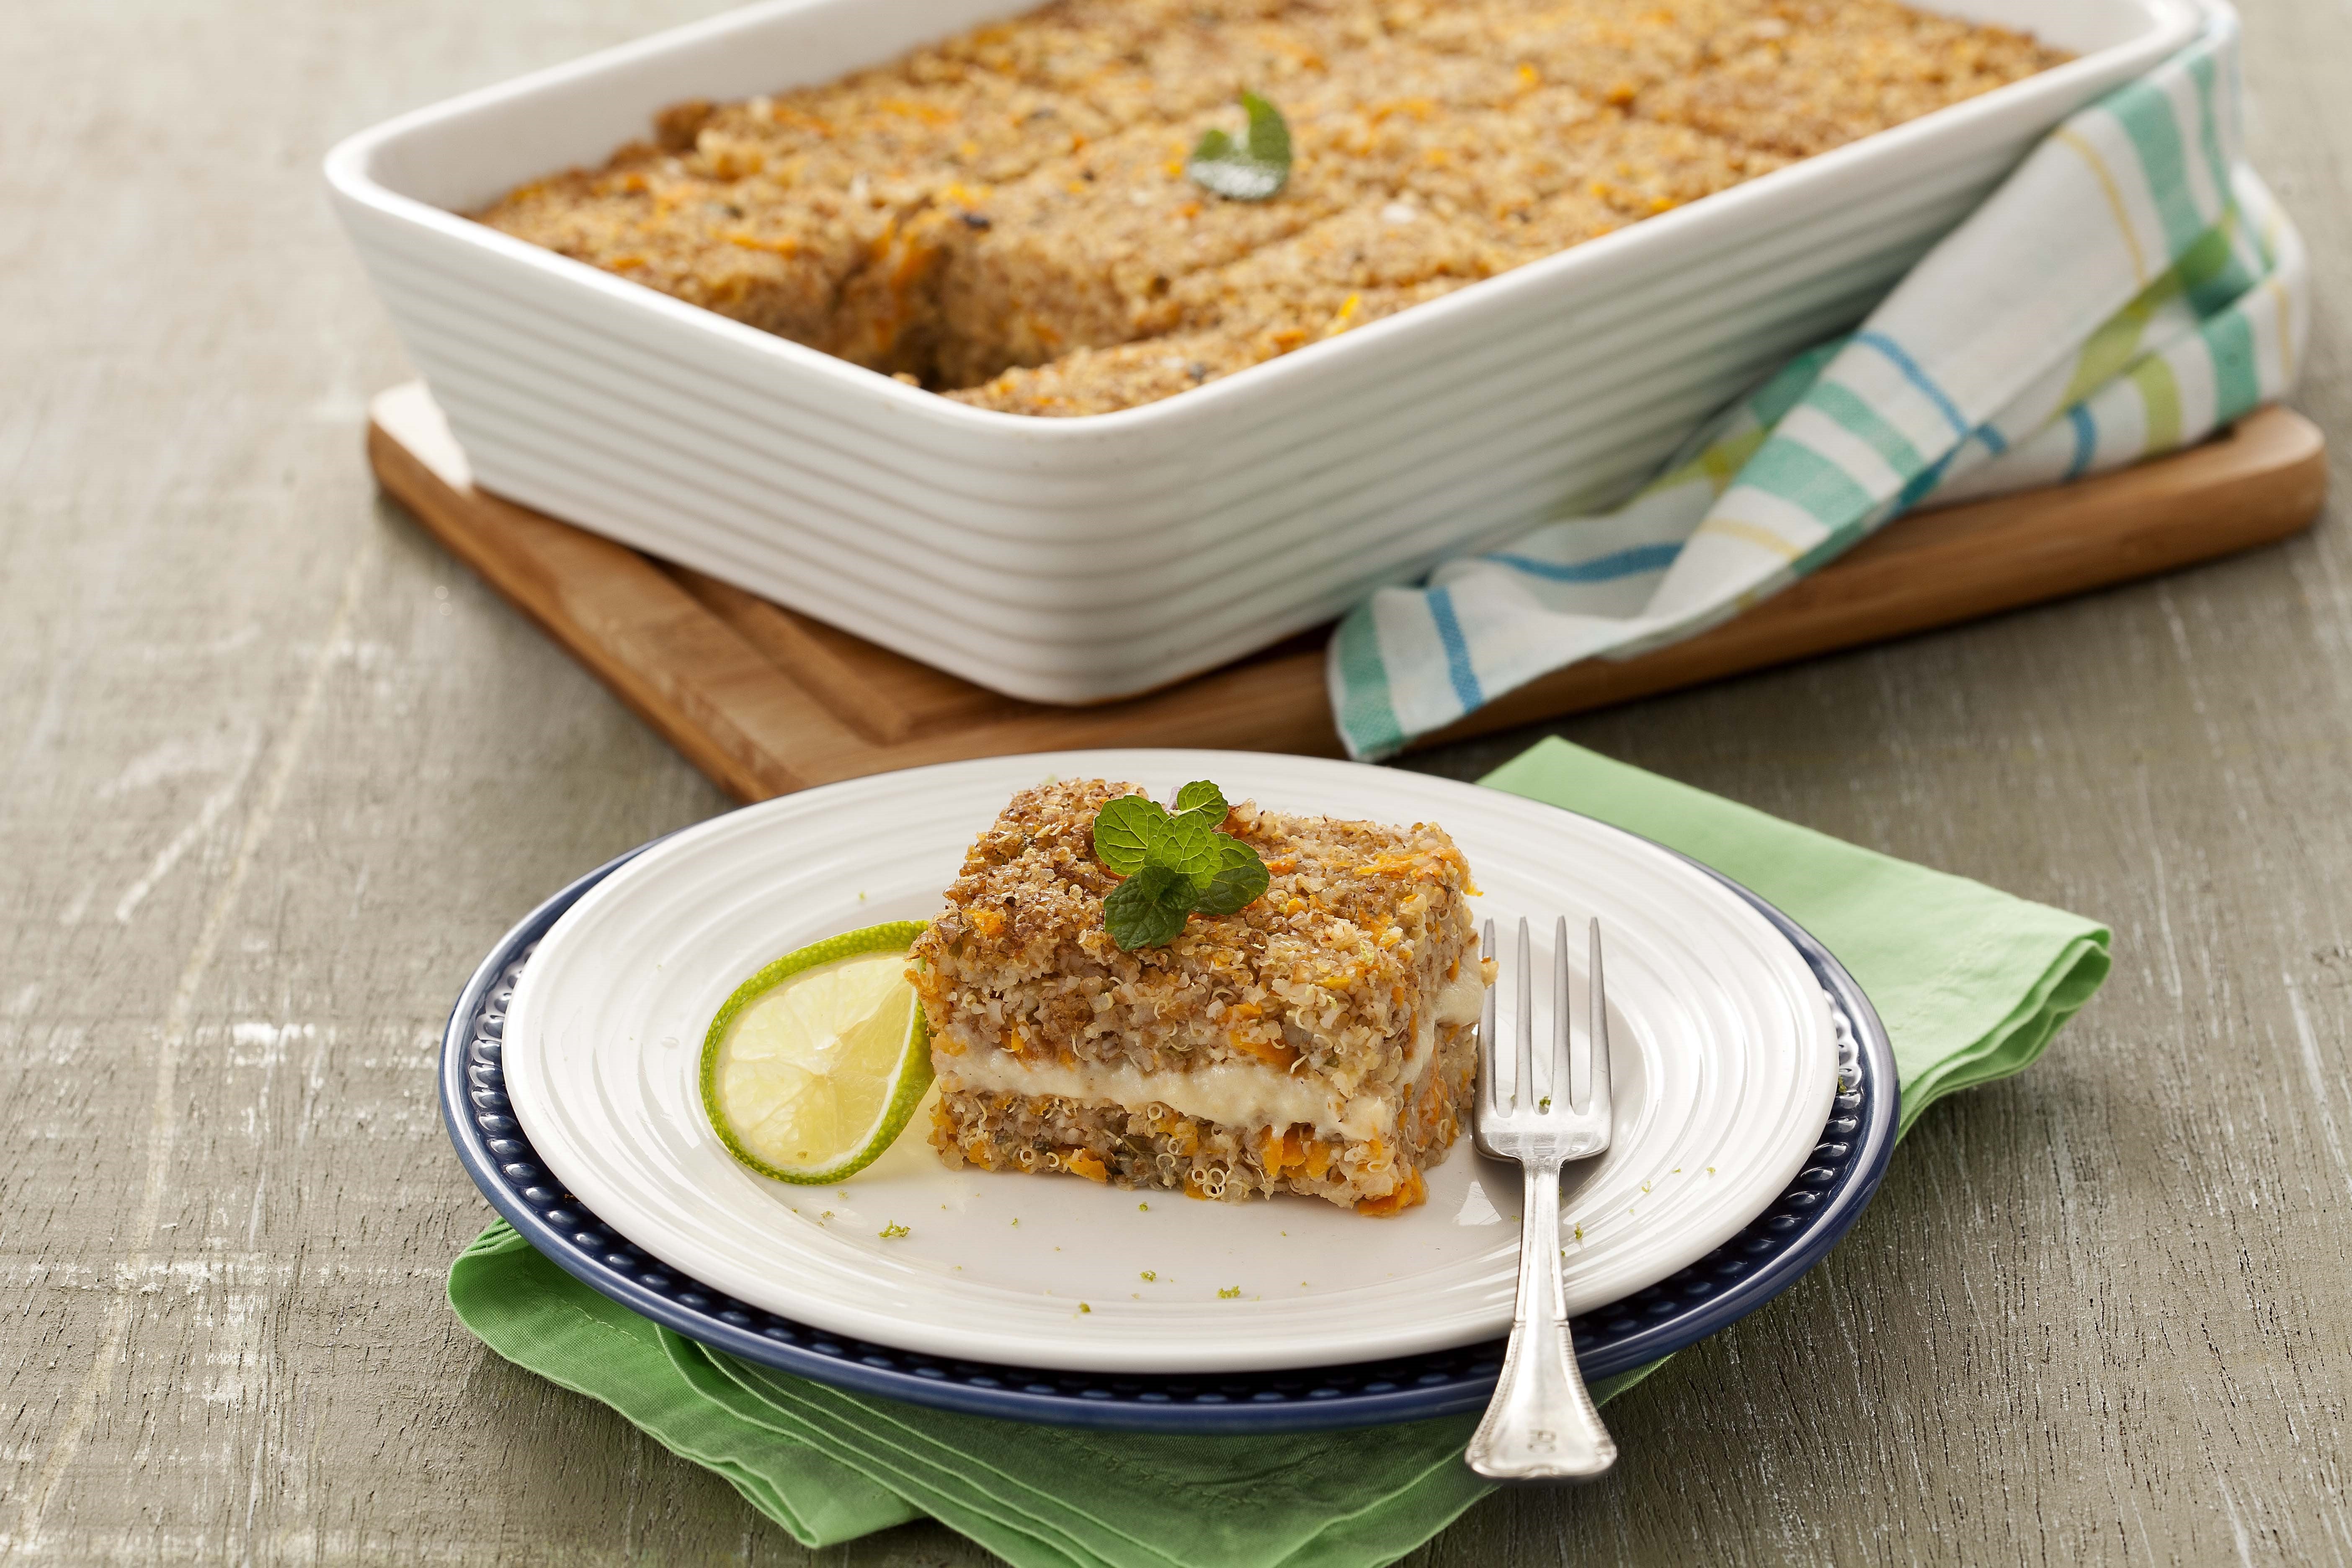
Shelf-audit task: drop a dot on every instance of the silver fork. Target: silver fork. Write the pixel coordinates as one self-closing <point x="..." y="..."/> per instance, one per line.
<point x="1541" y="1424"/>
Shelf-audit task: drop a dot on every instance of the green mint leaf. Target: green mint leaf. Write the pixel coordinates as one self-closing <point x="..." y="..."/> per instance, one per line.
<point x="1204" y="797"/>
<point x="1250" y="171"/>
<point x="1188" y="847"/>
<point x="1148" y="909"/>
<point x="1240" y="881"/>
<point x="1173" y="865"/>
<point x="1124" y="830"/>
<point x="1269" y="133"/>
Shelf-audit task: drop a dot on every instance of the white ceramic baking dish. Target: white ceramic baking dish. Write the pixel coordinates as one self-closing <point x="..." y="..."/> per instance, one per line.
<point x="1077" y="560"/>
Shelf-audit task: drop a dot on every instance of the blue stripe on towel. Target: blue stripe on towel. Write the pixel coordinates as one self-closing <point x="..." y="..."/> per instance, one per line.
<point x="1917" y="377"/>
<point x="1467" y="690"/>
<point x="2087" y="440"/>
<point x="1926" y="480"/>
<point x="1630" y="563"/>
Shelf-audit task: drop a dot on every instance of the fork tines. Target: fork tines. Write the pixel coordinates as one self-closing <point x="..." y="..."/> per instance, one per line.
<point x="1550" y="1103"/>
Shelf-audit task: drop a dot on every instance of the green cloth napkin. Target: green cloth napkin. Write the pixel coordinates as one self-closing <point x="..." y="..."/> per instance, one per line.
<point x="1970" y="982"/>
<point x="1971" y="985"/>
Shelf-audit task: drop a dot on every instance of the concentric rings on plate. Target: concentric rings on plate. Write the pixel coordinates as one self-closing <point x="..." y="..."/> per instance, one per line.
<point x="1725" y="1055"/>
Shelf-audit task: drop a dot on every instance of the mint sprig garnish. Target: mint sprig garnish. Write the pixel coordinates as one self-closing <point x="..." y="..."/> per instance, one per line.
<point x="1176" y="865"/>
<point x="1251" y="170"/>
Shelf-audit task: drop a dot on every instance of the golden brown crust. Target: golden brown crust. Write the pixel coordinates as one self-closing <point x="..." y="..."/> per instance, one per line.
<point x="1005" y="215"/>
<point x="1325" y="976"/>
<point x="725" y="244"/>
<point x="1345" y="272"/>
<point x="1809" y="75"/>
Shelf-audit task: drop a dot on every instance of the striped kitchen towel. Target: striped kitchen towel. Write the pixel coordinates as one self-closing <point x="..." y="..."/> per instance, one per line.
<point x="2129" y="290"/>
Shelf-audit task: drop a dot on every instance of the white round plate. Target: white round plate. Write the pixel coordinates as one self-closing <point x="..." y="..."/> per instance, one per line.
<point x="1723" y="1052"/>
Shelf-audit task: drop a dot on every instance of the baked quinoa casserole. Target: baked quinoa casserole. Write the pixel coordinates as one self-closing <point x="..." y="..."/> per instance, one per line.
<point x="1007" y="218"/>
<point x="1320" y="1041"/>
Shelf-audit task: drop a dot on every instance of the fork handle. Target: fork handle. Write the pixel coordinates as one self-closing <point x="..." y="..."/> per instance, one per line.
<point x="1541" y="1424"/>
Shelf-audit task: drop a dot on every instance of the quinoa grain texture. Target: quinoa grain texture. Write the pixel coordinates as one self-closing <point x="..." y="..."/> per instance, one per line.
<point x="1004" y="218"/>
<point x="1319" y="1041"/>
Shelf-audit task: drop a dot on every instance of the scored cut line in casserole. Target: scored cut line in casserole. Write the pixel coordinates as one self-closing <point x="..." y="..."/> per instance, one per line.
<point x="1004" y="218"/>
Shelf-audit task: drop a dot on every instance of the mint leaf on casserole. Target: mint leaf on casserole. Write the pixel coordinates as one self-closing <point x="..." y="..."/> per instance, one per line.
<point x="1192" y="847"/>
<point x="1124" y="829"/>
<point x="1204" y="797"/>
<point x="1176" y="864"/>
<point x="1252" y="170"/>
<point x="1148" y="909"/>
<point x="1238" y="883"/>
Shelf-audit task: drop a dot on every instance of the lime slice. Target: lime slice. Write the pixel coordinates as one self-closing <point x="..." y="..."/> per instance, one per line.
<point x="814" y="1065"/>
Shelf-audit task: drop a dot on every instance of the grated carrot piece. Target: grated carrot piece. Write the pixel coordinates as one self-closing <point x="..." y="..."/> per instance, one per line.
<point x="1410" y="1192"/>
<point x="1272" y="1053"/>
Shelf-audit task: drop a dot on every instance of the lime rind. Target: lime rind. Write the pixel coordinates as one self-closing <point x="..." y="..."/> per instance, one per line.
<point x="912" y="1075"/>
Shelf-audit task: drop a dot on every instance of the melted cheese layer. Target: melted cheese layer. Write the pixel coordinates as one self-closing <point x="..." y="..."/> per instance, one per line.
<point x="1462" y="999"/>
<point x="1235" y="1094"/>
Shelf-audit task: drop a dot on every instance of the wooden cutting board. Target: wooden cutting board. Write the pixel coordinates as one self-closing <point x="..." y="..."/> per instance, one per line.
<point x="767" y="701"/>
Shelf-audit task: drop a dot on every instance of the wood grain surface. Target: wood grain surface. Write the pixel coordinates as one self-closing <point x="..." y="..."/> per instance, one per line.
<point x="767" y="701"/>
<point x="281" y="769"/>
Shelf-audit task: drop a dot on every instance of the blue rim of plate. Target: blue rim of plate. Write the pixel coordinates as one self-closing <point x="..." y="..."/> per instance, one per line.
<point x="1764" y="1259"/>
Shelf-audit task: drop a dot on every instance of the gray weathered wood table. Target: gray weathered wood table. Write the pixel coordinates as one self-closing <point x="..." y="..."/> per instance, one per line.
<point x="279" y="771"/>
